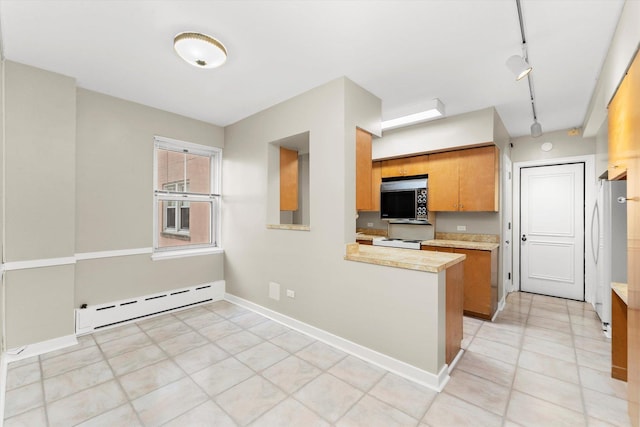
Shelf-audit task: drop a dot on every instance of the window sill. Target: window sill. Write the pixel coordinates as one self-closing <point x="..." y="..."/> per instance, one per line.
<point x="288" y="227"/>
<point x="183" y="253"/>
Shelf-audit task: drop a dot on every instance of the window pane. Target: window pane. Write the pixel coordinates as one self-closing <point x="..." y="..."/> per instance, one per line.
<point x="184" y="218"/>
<point x="170" y="217"/>
<point x="179" y="171"/>
<point x="194" y="219"/>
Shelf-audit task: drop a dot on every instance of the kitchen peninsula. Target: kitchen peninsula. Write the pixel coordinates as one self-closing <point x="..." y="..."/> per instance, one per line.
<point x="445" y="267"/>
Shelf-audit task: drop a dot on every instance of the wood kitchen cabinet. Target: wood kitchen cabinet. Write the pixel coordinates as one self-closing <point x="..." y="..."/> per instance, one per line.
<point x="480" y="280"/>
<point x="405" y="166"/>
<point x="464" y="180"/>
<point x="454" y="311"/>
<point x="619" y="330"/>
<point x="624" y="122"/>
<point x="376" y="180"/>
<point x="364" y="166"/>
<point x="288" y="179"/>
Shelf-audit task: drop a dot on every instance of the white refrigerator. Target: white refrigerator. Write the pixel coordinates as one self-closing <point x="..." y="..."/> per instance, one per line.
<point x="609" y="244"/>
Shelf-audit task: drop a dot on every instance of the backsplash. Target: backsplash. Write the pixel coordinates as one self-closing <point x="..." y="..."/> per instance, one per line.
<point x="365" y="218"/>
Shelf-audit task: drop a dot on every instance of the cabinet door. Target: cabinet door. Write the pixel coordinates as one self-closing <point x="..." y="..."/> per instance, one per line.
<point x="416" y="165"/>
<point x="363" y="170"/>
<point x="624" y="120"/>
<point x="376" y="180"/>
<point x="478" y="179"/>
<point x="477" y="282"/>
<point x="288" y="179"/>
<point x="443" y="181"/>
<point x="619" y="129"/>
<point x="392" y="168"/>
<point x="435" y="248"/>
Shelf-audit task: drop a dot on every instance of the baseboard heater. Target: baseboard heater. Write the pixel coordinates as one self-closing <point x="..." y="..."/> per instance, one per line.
<point x="102" y="316"/>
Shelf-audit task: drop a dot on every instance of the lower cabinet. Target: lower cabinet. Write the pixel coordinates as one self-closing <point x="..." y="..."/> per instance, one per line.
<point x="454" y="308"/>
<point x="618" y="337"/>
<point x="480" y="280"/>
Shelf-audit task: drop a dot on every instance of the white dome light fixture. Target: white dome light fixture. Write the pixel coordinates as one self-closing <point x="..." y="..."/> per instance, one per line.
<point x="200" y="50"/>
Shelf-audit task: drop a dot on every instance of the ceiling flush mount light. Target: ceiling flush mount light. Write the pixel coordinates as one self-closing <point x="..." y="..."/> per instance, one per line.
<point x="435" y="110"/>
<point x="518" y="66"/>
<point x="200" y="50"/>
<point x="547" y="146"/>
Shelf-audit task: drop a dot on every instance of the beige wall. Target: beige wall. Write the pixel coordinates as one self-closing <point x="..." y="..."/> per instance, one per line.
<point x="115" y="199"/>
<point x="527" y="148"/>
<point x="439" y="135"/>
<point x="78" y="179"/>
<point x="394" y="311"/>
<point x="40" y="114"/>
<point x="39" y="201"/>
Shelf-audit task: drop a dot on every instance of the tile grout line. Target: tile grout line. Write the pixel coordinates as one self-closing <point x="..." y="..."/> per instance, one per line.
<point x="44" y="396"/>
<point x="505" y="417"/>
<point x="117" y="381"/>
<point x="575" y="354"/>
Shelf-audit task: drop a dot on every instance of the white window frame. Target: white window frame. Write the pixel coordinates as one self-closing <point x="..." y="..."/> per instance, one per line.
<point x="215" y="155"/>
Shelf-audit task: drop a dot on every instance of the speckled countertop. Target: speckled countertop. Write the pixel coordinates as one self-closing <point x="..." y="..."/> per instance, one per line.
<point x="461" y="244"/>
<point x="410" y="259"/>
<point x="622" y="290"/>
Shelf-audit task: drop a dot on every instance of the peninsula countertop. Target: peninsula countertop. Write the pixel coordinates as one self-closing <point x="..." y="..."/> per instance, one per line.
<point x="461" y="244"/>
<point x="410" y="259"/>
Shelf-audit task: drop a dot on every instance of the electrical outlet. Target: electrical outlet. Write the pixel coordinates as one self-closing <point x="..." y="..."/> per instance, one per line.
<point x="291" y="293"/>
<point x="369" y="224"/>
<point x="274" y="291"/>
<point x="462" y="228"/>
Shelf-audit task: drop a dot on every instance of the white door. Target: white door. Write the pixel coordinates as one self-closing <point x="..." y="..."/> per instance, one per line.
<point x="552" y="230"/>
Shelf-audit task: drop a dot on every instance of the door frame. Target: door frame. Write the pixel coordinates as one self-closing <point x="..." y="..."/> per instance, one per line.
<point x="507" y="230"/>
<point x="590" y="183"/>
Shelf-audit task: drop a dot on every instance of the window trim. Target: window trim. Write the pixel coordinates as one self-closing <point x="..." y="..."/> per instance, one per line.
<point x="215" y="156"/>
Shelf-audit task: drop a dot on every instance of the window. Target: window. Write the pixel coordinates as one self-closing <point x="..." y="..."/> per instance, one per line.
<point x="186" y="205"/>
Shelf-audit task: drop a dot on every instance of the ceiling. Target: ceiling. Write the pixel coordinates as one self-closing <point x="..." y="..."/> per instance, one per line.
<point x="405" y="52"/>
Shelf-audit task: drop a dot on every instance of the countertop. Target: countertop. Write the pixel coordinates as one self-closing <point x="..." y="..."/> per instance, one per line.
<point x="462" y="244"/>
<point x="621" y="290"/>
<point x="411" y="259"/>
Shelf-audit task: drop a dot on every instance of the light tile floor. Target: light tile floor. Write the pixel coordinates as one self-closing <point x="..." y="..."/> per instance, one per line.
<point x="544" y="362"/>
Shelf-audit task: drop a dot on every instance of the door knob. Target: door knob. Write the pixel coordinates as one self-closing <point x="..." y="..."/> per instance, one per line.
<point x="524" y="237"/>
<point x="507" y="242"/>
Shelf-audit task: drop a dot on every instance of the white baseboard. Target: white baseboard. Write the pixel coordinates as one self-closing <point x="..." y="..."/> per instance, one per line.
<point x="36" y="349"/>
<point x="456" y="359"/>
<point x="433" y="381"/>
<point x="501" y="305"/>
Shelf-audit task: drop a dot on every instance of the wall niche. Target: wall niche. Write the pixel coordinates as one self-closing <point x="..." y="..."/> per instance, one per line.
<point x="289" y="162"/>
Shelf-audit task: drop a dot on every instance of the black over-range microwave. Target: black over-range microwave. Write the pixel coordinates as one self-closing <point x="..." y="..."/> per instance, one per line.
<point x="404" y="199"/>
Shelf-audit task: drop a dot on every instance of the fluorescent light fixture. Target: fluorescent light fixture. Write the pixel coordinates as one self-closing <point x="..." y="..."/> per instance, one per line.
<point x="200" y="50"/>
<point x="518" y="66"/>
<point x="436" y="110"/>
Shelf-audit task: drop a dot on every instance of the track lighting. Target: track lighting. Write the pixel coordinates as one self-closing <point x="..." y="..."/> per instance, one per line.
<point x="536" y="129"/>
<point x="518" y="66"/>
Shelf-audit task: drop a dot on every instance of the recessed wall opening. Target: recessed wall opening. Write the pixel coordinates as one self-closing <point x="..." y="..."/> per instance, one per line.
<point x="289" y="162"/>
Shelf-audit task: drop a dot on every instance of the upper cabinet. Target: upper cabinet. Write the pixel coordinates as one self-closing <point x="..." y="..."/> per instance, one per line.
<point x="406" y="166"/>
<point x="464" y="180"/>
<point x="288" y="179"/>
<point x="624" y="121"/>
<point x="364" y="194"/>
